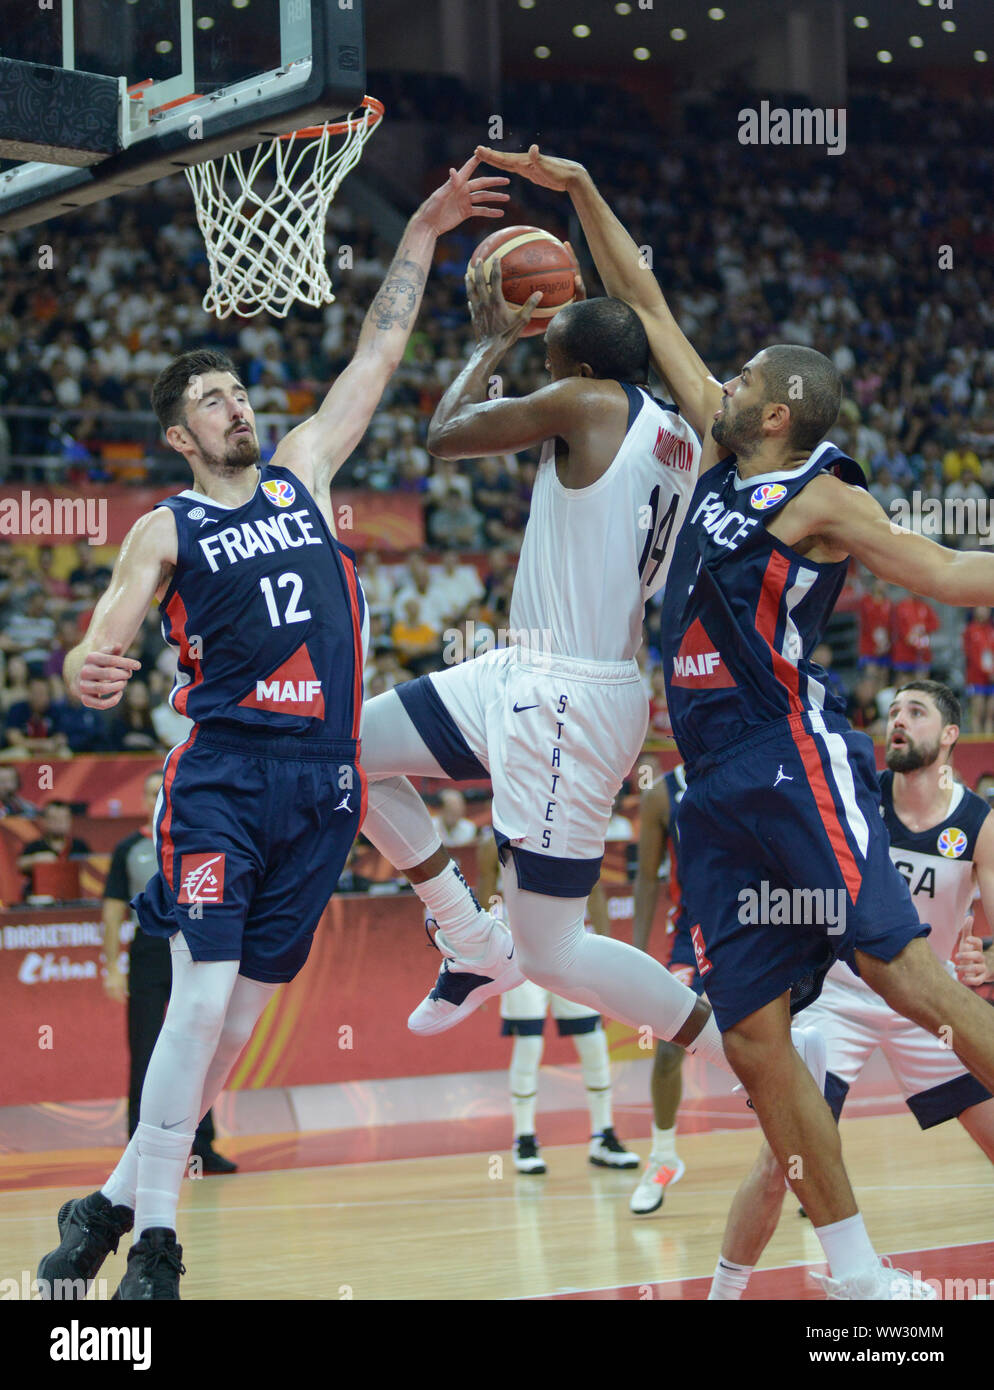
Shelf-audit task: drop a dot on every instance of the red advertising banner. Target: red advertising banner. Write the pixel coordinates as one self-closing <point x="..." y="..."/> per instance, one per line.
<point x="343" y="1019"/>
<point x="42" y="515"/>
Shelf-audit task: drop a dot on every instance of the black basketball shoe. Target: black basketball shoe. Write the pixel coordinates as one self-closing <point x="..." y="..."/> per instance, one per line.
<point x="90" y="1228"/>
<point x="155" y="1263"/>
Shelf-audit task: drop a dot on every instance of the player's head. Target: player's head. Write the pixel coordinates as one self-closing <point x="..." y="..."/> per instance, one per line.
<point x="923" y="725"/>
<point x="204" y="411"/>
<point x="56" y="818"/>
<point x="601" y="338"/>
<point x="785" y="395"/>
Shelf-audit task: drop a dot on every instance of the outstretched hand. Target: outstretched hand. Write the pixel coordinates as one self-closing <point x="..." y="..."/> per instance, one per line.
<point x="544" y="169"/>
<point x="462" y="196"/>
<point x="103" y="676"/>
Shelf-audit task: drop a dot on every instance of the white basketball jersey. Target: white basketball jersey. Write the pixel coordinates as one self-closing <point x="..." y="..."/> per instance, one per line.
<point x="592" y="556"/>
<point x="937" y="865"/>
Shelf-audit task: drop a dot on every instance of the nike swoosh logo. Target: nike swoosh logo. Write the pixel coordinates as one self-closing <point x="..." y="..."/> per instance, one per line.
<point x="173" y="1125"/>
<point x="519" y="709"/>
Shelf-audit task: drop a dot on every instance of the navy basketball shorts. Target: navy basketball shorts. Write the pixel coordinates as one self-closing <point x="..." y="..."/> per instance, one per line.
<point x="785" y="865"/>
<point x="252" y="832"/>
<point x="683" y="962"/>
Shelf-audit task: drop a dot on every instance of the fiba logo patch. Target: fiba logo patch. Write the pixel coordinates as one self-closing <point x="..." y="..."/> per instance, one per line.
<point x="952" y="842"/>
<point x="767" y="495"/>
<point x="197" y="514"/>
<point x="201" y="878"/>
<point x="279" y="492"/>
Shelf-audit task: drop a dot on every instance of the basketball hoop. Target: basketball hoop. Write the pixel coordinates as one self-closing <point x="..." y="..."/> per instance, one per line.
<point x="265" y="244"/>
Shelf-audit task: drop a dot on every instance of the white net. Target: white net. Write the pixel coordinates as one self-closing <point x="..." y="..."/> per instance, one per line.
<point x="262" y="214"/>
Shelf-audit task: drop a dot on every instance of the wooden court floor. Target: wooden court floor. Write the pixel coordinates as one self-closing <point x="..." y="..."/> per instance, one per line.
<point x="467" y="1226"/>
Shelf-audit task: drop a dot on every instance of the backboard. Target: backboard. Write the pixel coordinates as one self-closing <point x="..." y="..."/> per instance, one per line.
<point x="192" y="79"/>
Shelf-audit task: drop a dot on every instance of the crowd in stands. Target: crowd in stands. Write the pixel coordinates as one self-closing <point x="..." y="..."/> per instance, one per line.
<point x="883" y="265"/>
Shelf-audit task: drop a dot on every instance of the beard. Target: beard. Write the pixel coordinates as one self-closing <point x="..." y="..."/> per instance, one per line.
<point x="911" y="756"/>
<point x="741" y="433"/>
<point x="239" y="454"/>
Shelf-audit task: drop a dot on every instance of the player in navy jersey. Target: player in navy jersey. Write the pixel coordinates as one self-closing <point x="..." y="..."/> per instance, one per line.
<point x="260" y="805"/>
<point x="942" y="843"/>
<point x="782" y="794"/>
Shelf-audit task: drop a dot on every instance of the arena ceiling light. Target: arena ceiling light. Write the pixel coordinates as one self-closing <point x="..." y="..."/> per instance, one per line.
<point x="861" y="22"/>
<point x="581" y="31"/>
<point x="916" y="41"/>
<point x="678" y="35"/>
<point x="716" y="12"/>
<point x="542" y="51"/>
<point x="641" y="54"/>
<point x="884" y="56"/>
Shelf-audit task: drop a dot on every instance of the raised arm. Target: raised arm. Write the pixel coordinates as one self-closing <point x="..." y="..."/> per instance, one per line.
<point x="467" y="423"/>
<point x="849" y="521"/>
<point x="316" y="449"/>
<point x="625" y="276"/>
<point x="96" y="670"/>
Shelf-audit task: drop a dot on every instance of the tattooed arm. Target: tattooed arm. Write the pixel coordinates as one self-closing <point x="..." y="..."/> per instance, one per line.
<point x="316" y="449"/>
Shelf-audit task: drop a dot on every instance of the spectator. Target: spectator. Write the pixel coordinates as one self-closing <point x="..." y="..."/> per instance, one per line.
<point x="83" y="729"/>
<point x="875" y="620"/>
<point x="456" y="524"/>
<point x="911" y="645"/>
<point x="454" y="828"/>
<point x="55" y="843"/>
<point x="894" y="461"/>
<point x="57" y="591"/>
<point x="66" y="637"/>
<point x="30" y="633"/>
<point x="823" y="656"/>
<point x="148" y="981"/>
<point x="32" y="725"/>
<point x="416" y="639"/>
<point x="348" y="880"/>
<point x="861" y="709"/>
<point x="88" y="580"/>
<point x="978" y="649"/>
<point x="886" y="490"/>
<point x="133" y="729"/>
<point x="15" y="686"/>
<point x="12" y="803"/>
<point x="955" y="460"/>
<point x="423" y="586"/>
<point x="458" y="586"/>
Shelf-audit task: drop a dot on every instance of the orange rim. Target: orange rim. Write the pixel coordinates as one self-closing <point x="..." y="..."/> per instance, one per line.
<point x="372" y="114"/>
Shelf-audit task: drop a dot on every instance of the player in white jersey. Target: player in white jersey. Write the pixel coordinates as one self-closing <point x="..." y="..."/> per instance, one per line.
<point x="556" y="719"/>
<point x="523" y="1012"/>
<point x="942" y="842"/>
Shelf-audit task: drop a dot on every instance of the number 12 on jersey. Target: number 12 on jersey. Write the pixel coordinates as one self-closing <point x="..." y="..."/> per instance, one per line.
<point x="292" y="613"/>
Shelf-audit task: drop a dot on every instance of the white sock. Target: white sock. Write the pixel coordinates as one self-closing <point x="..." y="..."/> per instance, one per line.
<point x="663" y="1143"/>
<point x="596" y="1066"/>
<point x="162" y="1156"/>
<point x="847" y="1247"/>
<point x="465" y="932"/>
<point x="120" y="1187"/>
<point x="707" y="1044"/>
<point x="729" y="1280"/>
<point x="526" y="1057"/>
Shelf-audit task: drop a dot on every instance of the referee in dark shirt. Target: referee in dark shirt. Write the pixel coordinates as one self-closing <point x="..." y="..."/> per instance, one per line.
<point x="148" y="981"/>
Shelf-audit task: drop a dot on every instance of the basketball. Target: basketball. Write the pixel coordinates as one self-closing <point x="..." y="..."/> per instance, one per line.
<point x="530" y="259"/>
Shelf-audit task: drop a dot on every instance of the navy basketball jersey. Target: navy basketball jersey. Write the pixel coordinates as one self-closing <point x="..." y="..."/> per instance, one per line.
<point x="742" y="612"/>
<point x="267" y="613"/>
<point x="937" y="864"/>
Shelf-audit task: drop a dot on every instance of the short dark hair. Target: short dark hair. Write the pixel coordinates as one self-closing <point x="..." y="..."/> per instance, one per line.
<point x="54" y="804"/>
<point x="169" y="393"/>
<point x="814" y="408"/>
<point x="946" y="702"/>
<point x="608" y="335"/>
